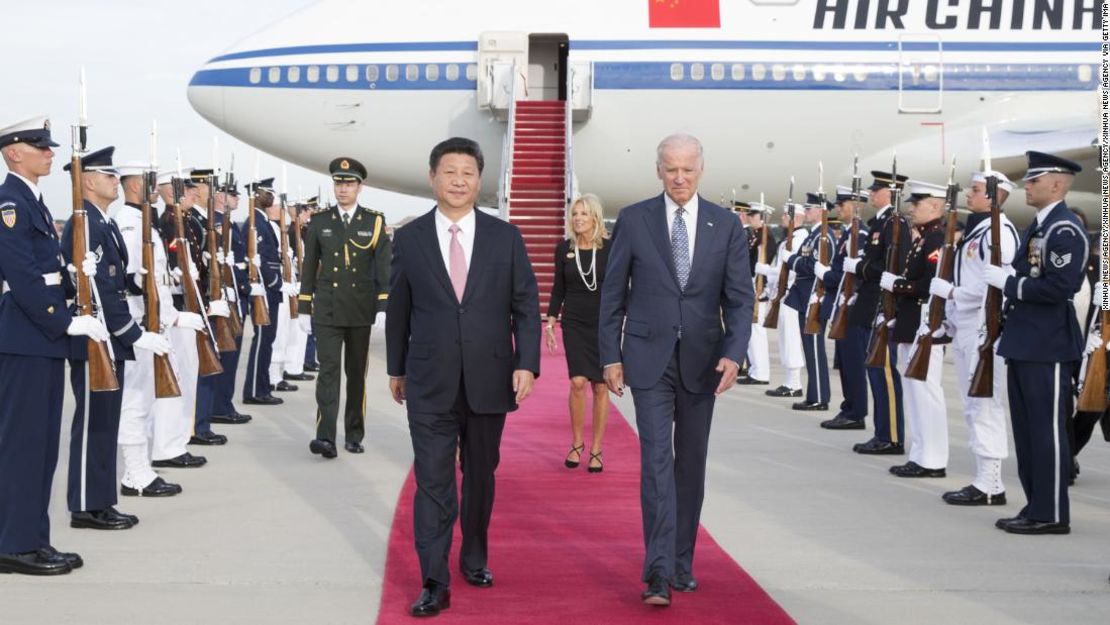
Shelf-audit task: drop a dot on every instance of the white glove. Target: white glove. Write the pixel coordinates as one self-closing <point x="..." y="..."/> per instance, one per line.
<point x="289" y="289"/>
<point x="176" y="273"/>
<point x="763" y="269"/>
<point x="813" y="298"/>
<point x="193" y="272"/>
<point x="996" y="276"/>
<point x="820" y="270"/>
<point x="1094" y="341"/>
<point x="256" y="260"/>
<point x="220" y="257"/>
<point x="230" y="295"/>
<point x="886" y="282"/>
<point x="87" y="325"/>
<point x="289" y="252"/>
<point x="305" y="321"/>
<point x="139" y="273"/>
<point x="923" y="329"/>
<point x="152" y="342"/>
<point x="941" y="288"/>
<point x="88" y="266"/>
<point x="840" y="301"/>
<point x="207" y="257"/>
<point x="850" y="264"/>
<point x="852" y="302"/>
<point x="218" y="308"/>
<point x="880" y="319"/>
<point x="890" y="324"/>
<point x="229" y="258"/>
<point x="257" y="290"/>
<point x="190" y="321"/>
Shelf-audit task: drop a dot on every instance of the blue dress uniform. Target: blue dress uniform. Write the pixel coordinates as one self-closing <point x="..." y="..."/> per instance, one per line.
<point x="885" y="382"/>
<point x="223" y="410"/>
<point x="1049" y="265"/>
<point x="798" y="298"/>
<point x="196" y="226"/>
<point x="33" y="348"/>
<point x="257" y="385"/>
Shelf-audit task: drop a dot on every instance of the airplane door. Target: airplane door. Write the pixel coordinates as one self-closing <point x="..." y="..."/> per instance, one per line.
<point x="920" y="74"/>
<point x="547" y="66"/>
<point x="499" y="55"/>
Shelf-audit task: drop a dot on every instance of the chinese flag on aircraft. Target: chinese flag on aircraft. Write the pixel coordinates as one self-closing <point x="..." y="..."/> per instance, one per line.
<point x="684" y="13"/>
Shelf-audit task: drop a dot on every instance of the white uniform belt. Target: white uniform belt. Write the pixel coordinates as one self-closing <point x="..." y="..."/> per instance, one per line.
<point x="51" y="279"/>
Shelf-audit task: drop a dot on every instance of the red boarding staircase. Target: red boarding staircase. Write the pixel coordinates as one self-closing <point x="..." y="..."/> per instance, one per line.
<point x="537" y="184"/>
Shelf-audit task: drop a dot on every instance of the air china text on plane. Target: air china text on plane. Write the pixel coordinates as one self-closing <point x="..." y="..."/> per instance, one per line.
<point x="959" y="14"/>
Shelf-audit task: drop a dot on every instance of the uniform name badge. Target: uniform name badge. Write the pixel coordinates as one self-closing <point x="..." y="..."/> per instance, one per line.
<point x="326" y="232"/>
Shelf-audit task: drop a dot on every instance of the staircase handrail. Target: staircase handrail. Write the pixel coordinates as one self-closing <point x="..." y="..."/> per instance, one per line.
<point x="507" y="149"/>
<point x="569" y="130"/>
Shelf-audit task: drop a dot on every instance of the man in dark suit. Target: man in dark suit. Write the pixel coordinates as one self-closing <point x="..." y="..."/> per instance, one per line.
<point x="462" y="294"/>
<point x="687" y="260"/>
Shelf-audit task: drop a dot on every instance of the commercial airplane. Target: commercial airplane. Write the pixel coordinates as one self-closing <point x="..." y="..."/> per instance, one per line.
<point x="771" y="87"/>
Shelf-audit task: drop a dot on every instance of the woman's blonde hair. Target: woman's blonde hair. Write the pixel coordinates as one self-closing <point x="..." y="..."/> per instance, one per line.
<point x="593" y="206"/>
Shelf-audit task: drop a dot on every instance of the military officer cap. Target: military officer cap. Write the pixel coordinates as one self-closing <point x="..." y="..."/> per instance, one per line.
<point x="883" y="180"/>
<point x="1004" y="183"/>
<point x="34" y="132"/>
<point x="760" y="208"/>
<point x="132" y="168"/>
<point x="740" y="207"/>
<point x="346" y="169"/>
<point x="230" y="189"/>
<point x="814" y="201"/>
<point x="920" y="190"/>
<point x="264" y="185"/>
<point x="843" y="194"/>
<point x="200" y="176"/>
<point x="100" y="160"/>
<point x="1041" y="164"/>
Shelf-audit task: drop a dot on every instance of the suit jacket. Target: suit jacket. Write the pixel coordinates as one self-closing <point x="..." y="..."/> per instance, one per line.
<point x="437" y="342"/>
<point x="642" y="295"/>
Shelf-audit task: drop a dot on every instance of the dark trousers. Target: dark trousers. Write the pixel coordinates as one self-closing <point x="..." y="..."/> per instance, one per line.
<point x="1040" y="401"/>
<point x="256" y="381"/>
<point x="817" y="362"/>
<point x="206" y="395"/>
<point x="886" y="390"/>
<point x="32" y="389"/>
<point x="435" y="440"/>
<point x="674" y="441"/>
<point x="225" y="382"/>
<point x="310" y="349"/>
<point x="92" y="441"/>
<point x="852" y="351"/>
<point x="352" y="345"/>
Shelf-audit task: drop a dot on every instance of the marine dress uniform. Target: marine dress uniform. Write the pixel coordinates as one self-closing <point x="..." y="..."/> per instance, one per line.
<point x="345" y="284"/>
<point x="798" y="298"/>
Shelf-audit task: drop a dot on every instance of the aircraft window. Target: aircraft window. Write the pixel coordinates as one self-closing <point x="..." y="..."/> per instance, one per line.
<point x="758" y="71"/>
<point x="452" y="72"/>
<point x="256" y="75"/>
<point x="677" y="71"/>
<point x="412" y="72"/>
<point x="717" y="71"/>
<point x="312" y="74"/>
<point x="738" y="71"/>
<point x="1083" y="73"/>
<point x="820" y="73"/>
<point x="697" y="71"/>
<point x="293" y="74"/>
<point x="931" y="73"/>
<point x="352" y="73"/>
<point x="471" y="71"/>
<point x="391" y="72"/>
<point x="778" y="72"/>
<point x="372" y="73"/>
<point x="860" y="73"/>
<point x="431" y="72"/>
<point x="332" y="73"/>
<point x="799" y="72"/>
<point x="274" y="74"/>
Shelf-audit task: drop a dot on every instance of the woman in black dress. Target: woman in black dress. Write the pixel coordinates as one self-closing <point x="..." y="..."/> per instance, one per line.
<point x="579" y="270"/>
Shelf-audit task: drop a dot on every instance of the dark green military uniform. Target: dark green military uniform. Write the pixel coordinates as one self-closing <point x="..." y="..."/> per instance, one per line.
<point x="345" y="283"/>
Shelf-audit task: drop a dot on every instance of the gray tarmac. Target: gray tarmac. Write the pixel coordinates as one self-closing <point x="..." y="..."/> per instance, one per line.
<point x="268" y="533"/>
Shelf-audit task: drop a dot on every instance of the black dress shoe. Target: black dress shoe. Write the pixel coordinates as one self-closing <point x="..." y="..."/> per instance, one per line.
<point x="264" y="400"/>
<point x="750" y="381"/>
<point x="805" y="405"/>
<point x="72" y="559"/>
<point x="299" y="377"/>
<point x="231" y="419"/>
<point x="134" y="520"/>
<point x="912" y="469"/>
<point x="323" y="448"/>
<point x="1003" y="522"/>
<point x="482" y="578"/>
<point x="971" y="496"/>
<point x="684" y="582"/>
<point x="184" y="461"/>
<point x="658" y="592"/>
<point x="353" y="447"/>
<point x="284" y="386"/>
<point x="208" y="438"/>
<point x="99" y="520"/>
<point x="311" y="366"/>
<point x="783" y="391"/>
<point x="843" y="423"/>
<point x="157" y="488"/>
<point x="433" y="598"/>
<point x="34" y="563"/>
<point x="1029" y="526"/>
<point x="876" y="447"/>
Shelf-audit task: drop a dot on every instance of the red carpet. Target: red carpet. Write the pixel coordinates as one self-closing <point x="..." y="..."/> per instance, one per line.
<point x="566" y="546"/>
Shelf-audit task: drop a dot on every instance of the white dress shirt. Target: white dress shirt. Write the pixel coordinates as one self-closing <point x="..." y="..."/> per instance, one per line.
<point x="466" y="236"/>
<point x="690" y="217"/>
<point x="347" y="214"/>
<point x="1043" y="213"/>
<point x="30" y="185"/>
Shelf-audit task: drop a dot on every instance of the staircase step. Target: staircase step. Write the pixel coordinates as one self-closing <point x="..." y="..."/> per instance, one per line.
<point x="556" y="195"/>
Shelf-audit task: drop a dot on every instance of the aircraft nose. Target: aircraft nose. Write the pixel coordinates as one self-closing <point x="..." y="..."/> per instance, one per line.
<point x="206" y="95"/>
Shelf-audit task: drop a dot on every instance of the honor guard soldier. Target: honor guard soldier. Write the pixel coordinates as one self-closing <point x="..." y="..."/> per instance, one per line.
<point x="800" y="296"/>
<point x="226" y="201"/>
<point x="1048" y="269"/>
<point x="34" y="324"/>
<point x="256" y="386"/>
<point x="885" y="381"/>
<point x="96" y="417"/>
<point x="790" y="337"/>
<point x="985" y="416"/>
<point x="284" y="333"/>
<point x="925" y="408"/>
<point x="753" y="216"/>
<point x="851" y="350"/>
<point x="345" y="284"/>
<point x="140" y="412"/>
<point x="296" y="344"/>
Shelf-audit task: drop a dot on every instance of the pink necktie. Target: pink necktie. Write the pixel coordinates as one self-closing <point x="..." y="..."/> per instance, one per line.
<point x="457" y="263"/>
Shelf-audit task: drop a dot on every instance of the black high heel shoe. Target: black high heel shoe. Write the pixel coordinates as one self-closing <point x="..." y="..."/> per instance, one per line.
<point x="573" y="464"/>
<point x="600" y="466"/>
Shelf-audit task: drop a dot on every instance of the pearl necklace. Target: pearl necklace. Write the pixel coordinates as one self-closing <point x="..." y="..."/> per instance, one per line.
<point x="592" y="272"/>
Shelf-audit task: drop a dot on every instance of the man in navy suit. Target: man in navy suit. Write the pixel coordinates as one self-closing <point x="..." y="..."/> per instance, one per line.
<point x="462" y="295"/>
<point x="678" y="271"/>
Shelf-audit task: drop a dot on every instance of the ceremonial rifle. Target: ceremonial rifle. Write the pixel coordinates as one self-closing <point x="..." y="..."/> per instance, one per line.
<point x="229" y="280"/>
<point x="813" y="312"/>
<point x="260" y="314"/>
<point x="838" y="327"/>
<point x="1092" y="398"/>
<point x="772" y="320"/>
<point x="982" y="380"/>
<point x="206" y="352"/>
<point x="878" y="354"/>
<point x="225" y="336"/>
<point x="286" y="264"/>
<point x="165" y="380"/>
<point x="760" y="279"/>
